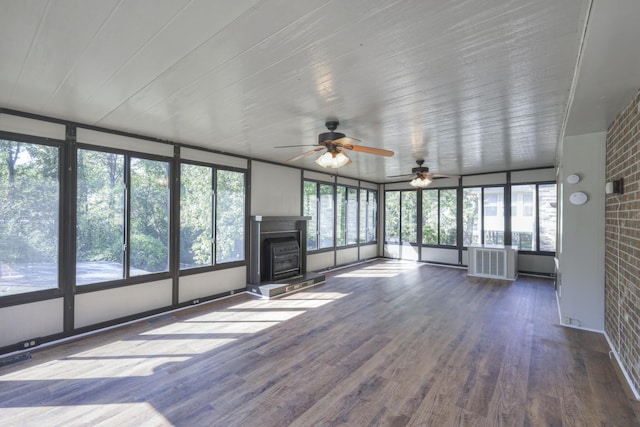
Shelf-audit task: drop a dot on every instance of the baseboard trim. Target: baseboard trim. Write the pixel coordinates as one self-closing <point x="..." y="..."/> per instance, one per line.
<point x="613" y="351"/>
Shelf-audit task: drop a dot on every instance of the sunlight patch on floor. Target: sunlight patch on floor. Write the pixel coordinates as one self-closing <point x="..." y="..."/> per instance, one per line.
<point x="121" y="415"/>
<point x="387" y="269"/>
<point x="174" y="342"/>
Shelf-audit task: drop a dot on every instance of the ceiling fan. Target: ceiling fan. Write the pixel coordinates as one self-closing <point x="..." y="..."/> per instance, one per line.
<point x="422" y="178"/>
<point x="335" y="143"/>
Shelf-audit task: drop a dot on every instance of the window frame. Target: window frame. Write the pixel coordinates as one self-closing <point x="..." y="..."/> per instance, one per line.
<point x="506" y="217"/>
<point x="338" y="225"/>
<point x="127" y="279"/>
<point x="63" y="223"/>
<point x="536" y="215"/>
<point x="214" y="266"/>
<point x="370" y="194"/>
<point x="439" y="230"/>
<point x="417" y="215"/>
<point x="359" y="190"/>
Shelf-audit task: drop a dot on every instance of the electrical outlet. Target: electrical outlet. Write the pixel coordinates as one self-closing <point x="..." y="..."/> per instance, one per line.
<point x="196" y="301"/>
<point x="566" y="320"/>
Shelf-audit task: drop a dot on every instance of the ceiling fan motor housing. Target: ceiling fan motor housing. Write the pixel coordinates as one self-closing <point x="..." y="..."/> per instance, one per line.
<point x="329" y="136"/>
<point x="420" y="169"/>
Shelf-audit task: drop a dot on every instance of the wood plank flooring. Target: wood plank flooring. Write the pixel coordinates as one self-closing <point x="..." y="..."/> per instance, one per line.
<point x="382" y="344"/>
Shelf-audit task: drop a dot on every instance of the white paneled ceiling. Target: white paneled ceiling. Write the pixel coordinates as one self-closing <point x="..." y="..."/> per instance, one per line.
<point x="470" y="86"/>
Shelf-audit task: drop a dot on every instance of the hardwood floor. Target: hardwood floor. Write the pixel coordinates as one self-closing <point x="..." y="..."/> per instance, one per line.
<point x="383" y="344"/>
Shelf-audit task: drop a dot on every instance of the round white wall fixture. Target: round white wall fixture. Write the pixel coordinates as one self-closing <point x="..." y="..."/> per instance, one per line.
<point x="578" y="198"/>
<point x="573" y="179"/>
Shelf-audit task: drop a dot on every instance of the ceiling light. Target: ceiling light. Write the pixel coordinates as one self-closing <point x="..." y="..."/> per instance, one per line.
<point x="333" y="159"/>
<point x="421" y="182"/>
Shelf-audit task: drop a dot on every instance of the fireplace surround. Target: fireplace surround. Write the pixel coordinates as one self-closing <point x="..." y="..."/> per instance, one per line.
<point x="278" y="255"/>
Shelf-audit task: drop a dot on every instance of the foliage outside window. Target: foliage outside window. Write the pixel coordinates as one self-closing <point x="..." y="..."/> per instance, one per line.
<point x="401" y="217"/>
<point x="29" y="217"/>
<point x="101" y="239"/>
<point x="352" y="216"/>
<point x="347" y="216"/>
<point x="149" y="218"/>
<point x="318" y="204"/>
<point x="310" y="208"/>
<point x="341" y="215"/>
<point x="368" y="215"/>
<point x="196" y="216"/>
<point x="448" y="217"/>
<point x="325" y="217"/>
<point x="392" y="217"/>
<point x="439" y="217"/>
<point x="352" y="219"/>
<point x="409" y="214"/>
<point x="100" y="217"/>
<point x="205" y="202"/>
<point x="533" y="217"/>
<point x="430" y="217"/>
<point x="230" y="214"/>
<point x="471" y="218"/>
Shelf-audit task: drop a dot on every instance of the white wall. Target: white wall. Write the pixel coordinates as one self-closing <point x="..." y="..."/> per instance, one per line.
<point x="581" y="232"/>
<point x="27" y="321"/>
<point x="102" y="306"/>
<point x="275" y="190"/>
<point x="210" y="283"/>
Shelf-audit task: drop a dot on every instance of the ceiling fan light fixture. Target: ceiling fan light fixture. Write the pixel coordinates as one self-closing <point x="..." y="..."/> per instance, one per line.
<point x="421" y="182"/>
<point x="333" y="159"/>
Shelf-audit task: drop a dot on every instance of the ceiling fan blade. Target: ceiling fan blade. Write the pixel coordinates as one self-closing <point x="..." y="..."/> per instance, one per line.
<point x="444" y="175"/>
<point x="306" y="153"/>
<point x="345" y="141"/>
<point x="370" y="150"/>
<point x="406" y="175"/>
<point x="291" y="146"/>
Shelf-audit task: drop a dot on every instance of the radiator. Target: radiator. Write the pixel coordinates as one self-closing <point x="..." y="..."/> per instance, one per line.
<point x="495" y="262"/>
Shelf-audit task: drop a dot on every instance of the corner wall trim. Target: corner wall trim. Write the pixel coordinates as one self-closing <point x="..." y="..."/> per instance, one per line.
<point x="622" y="369"/>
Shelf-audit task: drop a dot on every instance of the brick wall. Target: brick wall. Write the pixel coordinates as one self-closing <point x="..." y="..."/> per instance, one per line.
<point x="622" y="240"/>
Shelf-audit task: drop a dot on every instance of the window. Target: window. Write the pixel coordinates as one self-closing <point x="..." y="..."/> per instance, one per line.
<point x="392" y="216"/>
<point x="105" y="235"/>
<point x="149" y="217"/>
<point x="493" y="219"/>
<point x="341" y="212"/>
<point x="401" y="217"/>
<point x="439" y="217"/>
<point x="352" y="219"/>
<point x="533" y="217"/>
<point x="318" y="204"/>
<point x="310" y="208"/>
<point x="368" y="215"/>
<point x="29" y="217"/>
<point x="230" y="214"/>
<point x="547" y="217"/>
<point x="208" y="197"/>
<point x="196" y="216"/>
<point x="347" y="216"/>
<point x="352" y="216"/>
<point x="448" y="233"/>
<point x="325" y="217"/>
<point x="409" y="215"/>
<point x="487" y="228"/>
<point x="430" y="217"/>
<point x="100" y="217"/>
<point x="523" y="223"/>
<point x="471" y="218"/>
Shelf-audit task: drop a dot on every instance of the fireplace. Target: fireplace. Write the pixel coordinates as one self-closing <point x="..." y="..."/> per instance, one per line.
<point x="281" y="258"/>
<point x="278" y="256"/>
